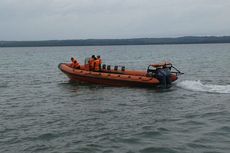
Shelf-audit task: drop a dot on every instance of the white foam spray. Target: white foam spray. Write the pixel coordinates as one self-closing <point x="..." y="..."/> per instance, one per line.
<point x="197" y="85"/>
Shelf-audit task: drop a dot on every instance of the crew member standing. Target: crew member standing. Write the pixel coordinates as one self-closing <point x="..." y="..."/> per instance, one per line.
<point x="97" y="65"/>
<point x="100" y="61"/>
<point x="91" y="62"/>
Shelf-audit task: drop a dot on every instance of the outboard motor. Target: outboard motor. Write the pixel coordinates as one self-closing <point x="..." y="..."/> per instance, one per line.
<point x="164" y="76"/>
<point x="163" y="72"/>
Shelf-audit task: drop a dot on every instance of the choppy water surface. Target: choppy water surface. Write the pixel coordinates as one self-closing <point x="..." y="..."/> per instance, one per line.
<point x="41" y="111"/>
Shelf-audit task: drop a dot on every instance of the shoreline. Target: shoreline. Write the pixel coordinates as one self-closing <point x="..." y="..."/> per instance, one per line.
<point x="116" y="42"/>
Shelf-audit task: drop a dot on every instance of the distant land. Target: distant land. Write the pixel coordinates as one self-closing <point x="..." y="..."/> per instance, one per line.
<point x="107" y="42"/>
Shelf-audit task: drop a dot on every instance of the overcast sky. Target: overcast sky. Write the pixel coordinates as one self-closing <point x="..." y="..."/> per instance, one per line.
<point x="83" y="19"/>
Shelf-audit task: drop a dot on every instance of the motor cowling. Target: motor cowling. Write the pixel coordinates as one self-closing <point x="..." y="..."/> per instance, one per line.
<point x="164" y="76"/>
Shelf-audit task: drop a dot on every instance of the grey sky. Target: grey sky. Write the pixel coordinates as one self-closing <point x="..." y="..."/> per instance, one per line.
<point x="83" y="19"/>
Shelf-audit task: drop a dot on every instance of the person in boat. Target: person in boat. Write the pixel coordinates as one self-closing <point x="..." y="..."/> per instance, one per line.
<point x="100" y="61"/>
<point x="74" y="63"/>
<point x="91" y="62"/>
<point x="97" y="64"/>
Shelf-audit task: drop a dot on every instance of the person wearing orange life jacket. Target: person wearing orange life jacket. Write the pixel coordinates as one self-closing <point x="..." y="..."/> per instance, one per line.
<point x="97" y="65"/>
<point x="100" y="61"/>
<point x="74" y="63"/>
<point x="91" y="62"/>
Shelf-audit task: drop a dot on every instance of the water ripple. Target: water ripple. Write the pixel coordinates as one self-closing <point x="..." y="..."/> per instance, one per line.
<point x="42" y="111"/>
<point x="157" y="150"/>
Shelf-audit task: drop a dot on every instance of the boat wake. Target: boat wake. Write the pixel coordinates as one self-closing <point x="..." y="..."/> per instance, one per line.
<point x="197" y="85"/>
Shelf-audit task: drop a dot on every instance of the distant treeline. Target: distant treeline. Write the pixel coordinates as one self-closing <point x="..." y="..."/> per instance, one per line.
<point x="106" y="42"/>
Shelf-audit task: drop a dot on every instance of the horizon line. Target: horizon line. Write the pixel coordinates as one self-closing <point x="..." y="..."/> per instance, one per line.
<point x="117" y="38"/>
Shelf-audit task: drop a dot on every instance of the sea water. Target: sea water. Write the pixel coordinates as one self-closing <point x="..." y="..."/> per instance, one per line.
<point x="42" y="111"/>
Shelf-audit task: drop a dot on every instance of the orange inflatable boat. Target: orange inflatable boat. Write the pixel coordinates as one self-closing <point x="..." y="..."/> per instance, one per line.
<point x="157" y="75"/>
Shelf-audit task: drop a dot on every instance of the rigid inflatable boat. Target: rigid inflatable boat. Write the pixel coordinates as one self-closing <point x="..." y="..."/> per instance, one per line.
<point x="157" y="75"/>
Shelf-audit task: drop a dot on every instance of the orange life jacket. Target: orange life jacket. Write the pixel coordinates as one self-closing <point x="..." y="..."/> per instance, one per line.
<point x="100" y="61"/>
<point x="91" y="64"/>
<point x="96" y="65"/>
<point x="76" y="64"/>
<point x="72" y="64"/>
